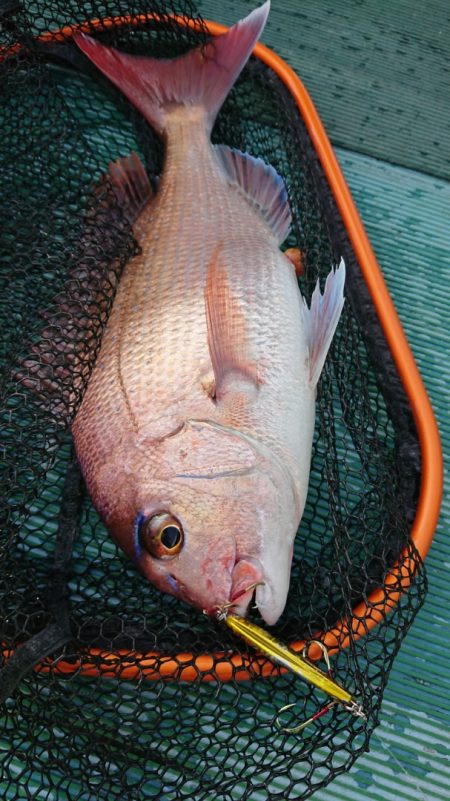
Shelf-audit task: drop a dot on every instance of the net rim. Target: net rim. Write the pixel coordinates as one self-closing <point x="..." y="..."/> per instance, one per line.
<point x="125" y="664"/>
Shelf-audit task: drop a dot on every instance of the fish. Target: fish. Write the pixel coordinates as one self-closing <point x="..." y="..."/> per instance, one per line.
<point x="195" y="432"/>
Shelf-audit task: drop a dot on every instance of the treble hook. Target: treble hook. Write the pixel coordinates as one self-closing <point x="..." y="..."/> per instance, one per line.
<point x="352" y="707"/>
<point x="301" y="726"/>
<point x="324" y="650"/>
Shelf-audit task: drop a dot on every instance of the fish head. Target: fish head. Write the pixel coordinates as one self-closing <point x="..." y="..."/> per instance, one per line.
<point x="212" y="520"/>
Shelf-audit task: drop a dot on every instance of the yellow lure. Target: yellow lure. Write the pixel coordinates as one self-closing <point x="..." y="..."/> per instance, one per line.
<point x="283" y="655"/>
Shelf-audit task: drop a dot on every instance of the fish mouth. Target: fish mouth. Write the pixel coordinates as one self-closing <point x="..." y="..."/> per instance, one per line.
<point x="267" y="583"/>
<point x="249" y="581"/>
<point x="246" y="577"/>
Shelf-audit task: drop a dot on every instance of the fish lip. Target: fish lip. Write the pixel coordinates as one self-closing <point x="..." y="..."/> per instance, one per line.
<point x="269" y="606"/>
<point x="247" y="571"/>
<point x="246" y="575"/>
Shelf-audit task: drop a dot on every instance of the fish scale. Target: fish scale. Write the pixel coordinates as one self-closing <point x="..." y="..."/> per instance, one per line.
<point x="175" y="341"/>
<point x="199" y="414"/>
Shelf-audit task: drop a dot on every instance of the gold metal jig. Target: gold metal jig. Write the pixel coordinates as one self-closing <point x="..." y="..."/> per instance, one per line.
<point x="298" y="663"/>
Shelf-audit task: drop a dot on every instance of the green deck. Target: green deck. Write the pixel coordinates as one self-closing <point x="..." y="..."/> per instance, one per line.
<point x="378" y="72"/>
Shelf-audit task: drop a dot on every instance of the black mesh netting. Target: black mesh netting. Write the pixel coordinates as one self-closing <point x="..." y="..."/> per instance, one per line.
<point x="71" y="603"/>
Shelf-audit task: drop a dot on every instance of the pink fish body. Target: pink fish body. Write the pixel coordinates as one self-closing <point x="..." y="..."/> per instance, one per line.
<point x="195" y="432"/>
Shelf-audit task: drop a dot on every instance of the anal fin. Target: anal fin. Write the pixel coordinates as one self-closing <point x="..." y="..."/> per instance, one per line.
<point x="131" y="185"/>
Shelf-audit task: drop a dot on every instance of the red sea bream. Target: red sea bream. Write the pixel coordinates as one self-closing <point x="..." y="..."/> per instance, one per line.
<point x="195" y="432"/>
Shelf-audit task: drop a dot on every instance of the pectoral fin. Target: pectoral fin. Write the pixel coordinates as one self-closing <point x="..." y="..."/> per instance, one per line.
<point x="228" y="341"/>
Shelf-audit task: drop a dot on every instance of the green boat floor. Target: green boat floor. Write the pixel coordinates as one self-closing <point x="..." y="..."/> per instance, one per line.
<point x="378" y="71"/>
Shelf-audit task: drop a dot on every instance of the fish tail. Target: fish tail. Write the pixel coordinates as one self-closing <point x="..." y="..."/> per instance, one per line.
<point x="203" y="77"/>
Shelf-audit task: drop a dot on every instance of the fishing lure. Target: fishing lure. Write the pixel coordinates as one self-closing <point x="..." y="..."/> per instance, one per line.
<point x="297" y="663"/>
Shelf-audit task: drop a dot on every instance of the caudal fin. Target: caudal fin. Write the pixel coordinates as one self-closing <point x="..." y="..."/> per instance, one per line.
<point x="203" y="76"/>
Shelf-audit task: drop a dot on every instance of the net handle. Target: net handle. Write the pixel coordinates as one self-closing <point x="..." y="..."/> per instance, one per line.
<point x="367" y="614"/>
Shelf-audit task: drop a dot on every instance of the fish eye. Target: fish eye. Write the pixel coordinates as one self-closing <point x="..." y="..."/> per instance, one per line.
<point x="161" y="535"/>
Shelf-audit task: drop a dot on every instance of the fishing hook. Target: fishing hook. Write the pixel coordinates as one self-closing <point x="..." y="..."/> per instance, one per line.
<point x="352" y="707"/>
<point x="222" y="611"/>
<point x="301" y="726"/>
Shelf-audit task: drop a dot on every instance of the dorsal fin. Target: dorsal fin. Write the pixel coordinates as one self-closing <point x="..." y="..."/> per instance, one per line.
<point x="262" y="185"/>
<point x="321" y="318"/>
<point x="131" y="185"/>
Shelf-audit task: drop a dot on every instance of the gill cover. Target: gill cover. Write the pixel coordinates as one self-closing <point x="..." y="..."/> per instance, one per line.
<point x="205" y="449"/>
